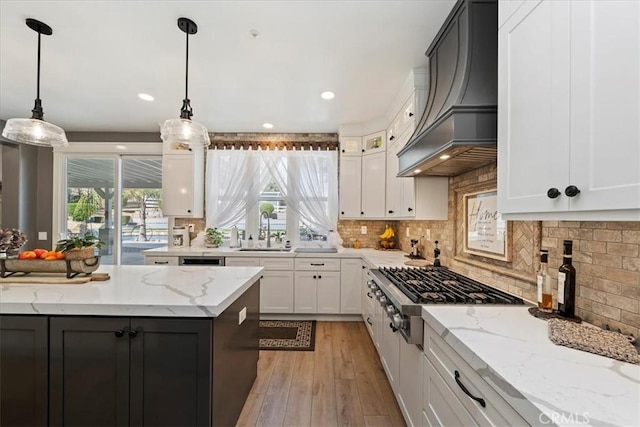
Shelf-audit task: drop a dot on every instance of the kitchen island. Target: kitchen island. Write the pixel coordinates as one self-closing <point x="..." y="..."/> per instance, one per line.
<point x="152" y="346"/>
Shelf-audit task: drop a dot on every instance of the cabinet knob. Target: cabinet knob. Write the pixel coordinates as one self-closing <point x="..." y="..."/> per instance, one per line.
<point x="343" y="151"/>
<point x="363" y="150"/>
<point x="410" y="114"/>
<point x="410" y="209"/>
<point x="572" y="191"/>
<point x="361" y="213"/>
<point x="319" y="277"/>
<point x="392" y="138"/>
<point x="133" y="333"/>
<point x="119" y="333"/>
<point x="342" y="212"/>
<point x="390" y="212"/>
<point x="552" y="193"/>
<point x="314" y="277"/>
<point x="189" y="210"/>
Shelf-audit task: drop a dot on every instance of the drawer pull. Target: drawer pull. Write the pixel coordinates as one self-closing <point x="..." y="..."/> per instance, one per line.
<point x="161" y="262"/>
<point x="318" y="264"/>
<point x="393" y="328"/>
<point x="477" y="399"/>
<point x="369" y="321"/>
<point x="119" y="333"/>
<point x="369" y="295"/>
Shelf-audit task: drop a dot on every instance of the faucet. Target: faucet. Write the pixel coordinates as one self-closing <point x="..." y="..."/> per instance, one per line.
<point x="268" y="216"/>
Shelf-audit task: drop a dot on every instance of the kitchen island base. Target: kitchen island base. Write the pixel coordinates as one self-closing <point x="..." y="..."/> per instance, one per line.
<point x="130" y="370"/>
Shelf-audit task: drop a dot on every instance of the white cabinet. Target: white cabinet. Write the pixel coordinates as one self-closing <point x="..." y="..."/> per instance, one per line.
<point x="454" y="389"/>
<point x="350" y="186"/>
<point x="276" y="283"/>
<point x="373" y="185"/>
<point x="401" y="191"/>
<point x="410" y="382"/>
<point x="362" y="177"/>
<point x="569" y="78"/>
<point x="317" y="292"/>
<point x="350" y="283"/>
<point x="160" y="260"/>
<point x="351" y="146"/>
<point x="389" y="350"/>
<point x="276" y="292"/>
<point x="183" y="184"/>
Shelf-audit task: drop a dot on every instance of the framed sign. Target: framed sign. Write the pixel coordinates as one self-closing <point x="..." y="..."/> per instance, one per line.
<point x="485" y="233"/>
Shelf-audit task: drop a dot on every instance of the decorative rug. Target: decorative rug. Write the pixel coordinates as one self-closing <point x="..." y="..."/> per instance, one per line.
<point x="288" y="335"/>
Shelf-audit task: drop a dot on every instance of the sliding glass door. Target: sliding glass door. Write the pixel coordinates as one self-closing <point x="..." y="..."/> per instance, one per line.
<point x="117" y="198"/>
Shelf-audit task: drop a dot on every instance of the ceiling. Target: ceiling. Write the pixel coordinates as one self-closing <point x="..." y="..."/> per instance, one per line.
<point x="103" y="53"/>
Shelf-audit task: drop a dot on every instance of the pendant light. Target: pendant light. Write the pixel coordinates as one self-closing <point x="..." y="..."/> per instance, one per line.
<point x="35" y="131"/>
<point x="183" y="133"/>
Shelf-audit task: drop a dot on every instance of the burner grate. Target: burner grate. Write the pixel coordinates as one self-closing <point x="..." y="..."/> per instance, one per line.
<point x="438" y="285"/>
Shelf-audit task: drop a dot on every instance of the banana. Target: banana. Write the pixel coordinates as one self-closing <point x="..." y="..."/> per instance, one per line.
<point x="388" y="233"/>
<point x="392" y="234"/>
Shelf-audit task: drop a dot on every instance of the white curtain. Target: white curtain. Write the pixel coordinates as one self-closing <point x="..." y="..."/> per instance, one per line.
<point x="234" y="180"/>
<point x="309" y="180"/>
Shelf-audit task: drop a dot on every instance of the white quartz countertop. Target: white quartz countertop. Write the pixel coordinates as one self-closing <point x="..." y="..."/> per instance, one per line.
<point x="135" y="291"/>
<point x="510" y="350"/>
<point x="376" y="258"/>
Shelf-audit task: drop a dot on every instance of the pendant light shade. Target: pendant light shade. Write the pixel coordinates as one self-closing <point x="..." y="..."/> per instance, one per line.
<point x="35" y="131"/>
<point x="183" y="133"/>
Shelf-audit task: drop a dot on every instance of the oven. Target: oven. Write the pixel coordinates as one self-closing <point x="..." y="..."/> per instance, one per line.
<point x="402" y="291"/>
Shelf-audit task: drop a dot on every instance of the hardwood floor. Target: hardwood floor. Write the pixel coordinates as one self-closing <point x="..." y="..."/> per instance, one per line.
<point x="341" y="383"/>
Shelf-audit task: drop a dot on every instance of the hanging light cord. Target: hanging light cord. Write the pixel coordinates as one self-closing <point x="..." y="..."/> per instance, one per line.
<point x="37" y="108"/>
<point x="186" y="111"/>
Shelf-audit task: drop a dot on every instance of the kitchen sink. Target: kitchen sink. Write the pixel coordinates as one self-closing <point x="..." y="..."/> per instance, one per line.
<point x="263" y="250"/>
<point x="316" y="250"/>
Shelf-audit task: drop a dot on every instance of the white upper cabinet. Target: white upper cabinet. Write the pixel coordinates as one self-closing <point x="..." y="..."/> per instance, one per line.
<point x="373" y="143"/>
<point x="569" y="103"/>
<point x="350" y="146"/>
<point x="400" y="191"/>
<point x="373" y="185"/>
<point x="350" y="183"/>
<point x="183" y="184"/>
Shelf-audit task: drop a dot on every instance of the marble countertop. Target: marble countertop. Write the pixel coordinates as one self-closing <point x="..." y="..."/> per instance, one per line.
<point x="510" y="350"/>
<point x="165" y="291"/>
<point x="375" y="258"/>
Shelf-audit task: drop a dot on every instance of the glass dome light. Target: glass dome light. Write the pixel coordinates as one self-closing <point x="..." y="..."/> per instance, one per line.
<point x="35" y="131"/>
<point x="183" y="133"/>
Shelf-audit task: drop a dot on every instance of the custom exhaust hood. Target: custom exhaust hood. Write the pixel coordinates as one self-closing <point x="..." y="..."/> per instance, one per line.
<point x="458" y="129"/>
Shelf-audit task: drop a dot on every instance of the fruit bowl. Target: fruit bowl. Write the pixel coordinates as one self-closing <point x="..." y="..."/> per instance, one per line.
<point x="72" y="268"/>
<point x="387" y="244"/>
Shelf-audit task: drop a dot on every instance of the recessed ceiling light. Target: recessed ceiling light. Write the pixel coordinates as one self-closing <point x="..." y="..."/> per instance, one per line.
<point x="417" y="171"/>
<point x="267" y="125"/>
<point x="145" y="97"/>
<point x="445" y="157"/>
<point x="327" y="94"/>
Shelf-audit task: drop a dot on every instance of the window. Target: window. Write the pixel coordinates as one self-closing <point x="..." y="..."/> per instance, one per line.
<point x="293" y="194"/>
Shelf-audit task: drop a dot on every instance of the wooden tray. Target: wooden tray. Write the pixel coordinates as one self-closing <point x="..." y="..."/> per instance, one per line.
<point x="10" y="267"/>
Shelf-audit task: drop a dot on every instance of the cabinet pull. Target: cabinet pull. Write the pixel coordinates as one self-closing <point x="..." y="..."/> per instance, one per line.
<point x="363" y="267"/>
<point x="369" y="295"/>
<point x="119" y="333"/>
<point x="392" y="138"/>
<point x="390" y="212"/>
<point x="318" y="264"/>
<point x="363" y="150"/>
<point x="133" y="333"/>
<point x="369" y="321"/>
<point x="410" y="114"/>
<point x="393" y="328"/>
<point x="477" y="399"/>
<point x="571" y="191"/>
<point x="410" y="209"/>
<point x="161" y="262"/>
<point x="552" y="193"/>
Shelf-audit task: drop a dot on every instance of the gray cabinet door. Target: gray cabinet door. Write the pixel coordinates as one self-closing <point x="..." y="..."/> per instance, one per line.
<point x="170" y="372"/>
<point x="23" y="370"/>
<point x="89" y="371"/>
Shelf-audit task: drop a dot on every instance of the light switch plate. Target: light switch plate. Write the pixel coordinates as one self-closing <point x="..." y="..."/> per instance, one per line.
<point x="407" y="232"/>
<point x="242" y="316"/>
<point x="363" y="229"/>
<point x="42" y="235"/>
<point x="428" y="235"/>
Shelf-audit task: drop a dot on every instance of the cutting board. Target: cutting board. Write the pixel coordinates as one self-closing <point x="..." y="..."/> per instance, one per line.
<point x="57" y="279"/>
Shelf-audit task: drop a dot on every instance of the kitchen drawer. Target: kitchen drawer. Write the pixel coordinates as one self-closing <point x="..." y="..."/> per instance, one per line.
<point x="317" y="264"/>
<point x="446" y="362"/>
<point x="277" y="263"/>
<point x="242" y="262"/>
<point x="161" y="260"/>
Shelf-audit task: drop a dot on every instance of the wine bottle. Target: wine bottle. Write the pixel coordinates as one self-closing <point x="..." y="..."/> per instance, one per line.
<point x="567" y="282"/>
<point x="544" y="283"/>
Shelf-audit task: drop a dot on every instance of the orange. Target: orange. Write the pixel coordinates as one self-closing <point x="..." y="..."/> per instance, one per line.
<point x="51" y="258"/>
<point x="59" y="255"/>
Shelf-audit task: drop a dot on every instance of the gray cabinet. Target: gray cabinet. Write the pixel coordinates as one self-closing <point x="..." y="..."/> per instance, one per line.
<point x="23" y="370"/>
<point x="119" y="371"/>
